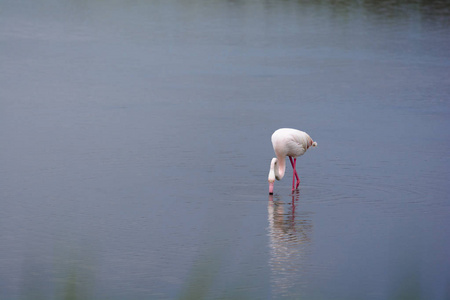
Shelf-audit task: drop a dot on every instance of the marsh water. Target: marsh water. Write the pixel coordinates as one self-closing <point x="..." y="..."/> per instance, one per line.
<point x="135" y="147"/>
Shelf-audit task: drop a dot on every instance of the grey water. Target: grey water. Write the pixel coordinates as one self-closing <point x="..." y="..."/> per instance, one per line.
<point x="135" y="148"/>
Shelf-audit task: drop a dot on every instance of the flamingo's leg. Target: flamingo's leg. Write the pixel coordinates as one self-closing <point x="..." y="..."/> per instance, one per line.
<point x="295" y="175"/>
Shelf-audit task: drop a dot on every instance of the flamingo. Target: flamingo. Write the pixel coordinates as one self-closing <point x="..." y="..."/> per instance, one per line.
<point x="287" y="142"/>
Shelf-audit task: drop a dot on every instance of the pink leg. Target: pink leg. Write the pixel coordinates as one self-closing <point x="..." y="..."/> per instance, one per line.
<point x="293" y="181"/>
<point x="295" y="175"/>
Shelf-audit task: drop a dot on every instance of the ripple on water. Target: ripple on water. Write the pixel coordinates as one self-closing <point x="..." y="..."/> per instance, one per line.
<point x="388" y="194"/>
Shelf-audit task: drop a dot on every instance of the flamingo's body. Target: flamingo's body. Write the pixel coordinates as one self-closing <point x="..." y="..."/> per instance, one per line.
<point x="292" y="143"/>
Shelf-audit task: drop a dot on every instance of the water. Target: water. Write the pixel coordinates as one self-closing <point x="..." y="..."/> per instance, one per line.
<point x="136" y="147"/>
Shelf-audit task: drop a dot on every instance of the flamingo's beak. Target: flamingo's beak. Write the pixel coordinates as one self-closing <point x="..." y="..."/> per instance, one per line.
<point x="270" y="188"/>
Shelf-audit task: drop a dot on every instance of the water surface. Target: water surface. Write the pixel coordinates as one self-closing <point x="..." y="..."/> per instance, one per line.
<point x="136" y="147"/>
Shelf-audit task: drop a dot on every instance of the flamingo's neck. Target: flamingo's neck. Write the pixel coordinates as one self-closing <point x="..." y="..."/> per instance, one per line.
<point x="281" y="162"/>
<point x="277" y="168"/>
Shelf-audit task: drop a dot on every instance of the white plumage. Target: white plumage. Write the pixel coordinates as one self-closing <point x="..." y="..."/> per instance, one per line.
<point x="287" y="142"/>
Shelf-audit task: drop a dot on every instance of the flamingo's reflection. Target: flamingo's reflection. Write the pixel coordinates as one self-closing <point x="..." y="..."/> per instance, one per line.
<point x="290" y="235"/>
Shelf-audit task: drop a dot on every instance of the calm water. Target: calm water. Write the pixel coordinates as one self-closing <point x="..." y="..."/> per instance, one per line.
<point x="135" y="148"/>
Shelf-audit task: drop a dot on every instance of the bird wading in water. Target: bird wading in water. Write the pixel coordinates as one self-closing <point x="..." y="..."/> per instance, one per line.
<point x="292" y="143"/>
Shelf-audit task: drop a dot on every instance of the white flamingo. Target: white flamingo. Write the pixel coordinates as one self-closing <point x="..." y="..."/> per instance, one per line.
<point x="287" y="142"/>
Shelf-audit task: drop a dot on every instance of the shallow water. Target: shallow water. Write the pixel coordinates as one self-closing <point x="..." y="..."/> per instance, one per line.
<point x="136" y="147"/>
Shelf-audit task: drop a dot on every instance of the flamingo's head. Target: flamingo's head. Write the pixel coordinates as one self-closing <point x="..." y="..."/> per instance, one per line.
<point x="271" y="178"/>
<point x="271" y="181"/>
<point x="270" y="187"/>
